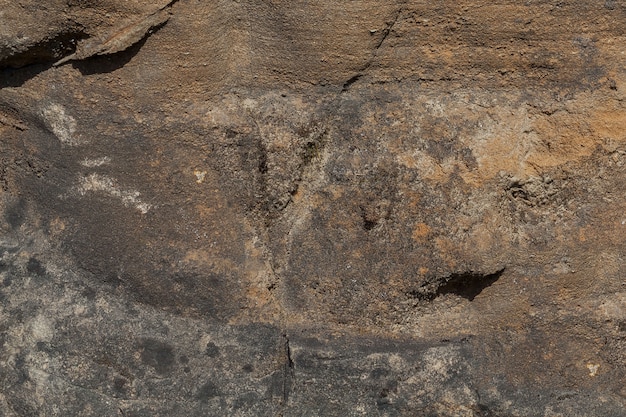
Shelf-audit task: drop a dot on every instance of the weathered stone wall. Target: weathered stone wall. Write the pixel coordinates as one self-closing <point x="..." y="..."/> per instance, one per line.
<point x="303" y="208"/>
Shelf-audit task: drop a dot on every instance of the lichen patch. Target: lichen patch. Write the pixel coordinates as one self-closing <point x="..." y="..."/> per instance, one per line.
<point x="61" y="124"/>
<point x="101" y="183"/>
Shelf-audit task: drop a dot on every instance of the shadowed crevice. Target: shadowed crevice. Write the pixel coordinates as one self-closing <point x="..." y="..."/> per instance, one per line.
<point x="46" y="51"/>
<point x="101" y="64"/>
<point x="468" y="284"/>
<point x="16" y="69"/>
<point x="288" y="374"/>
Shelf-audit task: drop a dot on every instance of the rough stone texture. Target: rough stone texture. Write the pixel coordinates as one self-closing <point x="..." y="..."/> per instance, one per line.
<point x="304" y="208"/>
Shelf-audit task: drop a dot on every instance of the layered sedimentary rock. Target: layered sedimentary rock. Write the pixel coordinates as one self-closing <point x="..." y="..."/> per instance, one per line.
<point x="307" y="208"/>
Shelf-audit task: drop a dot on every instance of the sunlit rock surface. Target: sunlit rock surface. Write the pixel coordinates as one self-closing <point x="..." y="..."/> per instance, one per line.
<point x="270" y="208"/>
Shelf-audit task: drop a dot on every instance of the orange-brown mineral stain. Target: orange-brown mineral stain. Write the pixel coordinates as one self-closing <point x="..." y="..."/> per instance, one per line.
<point x="420" y="232"/>
<point x="447" y="250"/>
<point x="608" y="123"/>
<point x="257" y="297"/>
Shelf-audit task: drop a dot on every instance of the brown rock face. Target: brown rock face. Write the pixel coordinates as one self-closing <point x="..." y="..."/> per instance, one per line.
<point x="312" y="208"/>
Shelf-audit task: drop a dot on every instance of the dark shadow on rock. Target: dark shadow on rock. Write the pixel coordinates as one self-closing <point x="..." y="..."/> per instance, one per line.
<point x="468" y="284"/>
<point x="16" y="69"/>
<point x="158" y="355"/>
<point x="207" y="391"/>
<point x="16" y="77"/>
<point x="15" y="214"/>
<point x="101" y="64"/>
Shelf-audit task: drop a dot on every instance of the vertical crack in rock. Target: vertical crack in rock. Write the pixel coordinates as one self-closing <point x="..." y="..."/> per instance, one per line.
<point x="275" y="193"/>
<point x="288" y="370"/>
<point x="302" y="244"/>
<point x="386" y="31"/>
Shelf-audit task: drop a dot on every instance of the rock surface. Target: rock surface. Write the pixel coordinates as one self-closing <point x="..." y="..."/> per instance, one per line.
<point x="268" y="208"/>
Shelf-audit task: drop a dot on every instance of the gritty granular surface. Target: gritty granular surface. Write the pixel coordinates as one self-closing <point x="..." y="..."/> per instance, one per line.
<point x="312" y="209"/>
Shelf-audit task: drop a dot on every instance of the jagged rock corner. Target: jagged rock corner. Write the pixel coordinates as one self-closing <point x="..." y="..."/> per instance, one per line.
<point x="272" y="208"/>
